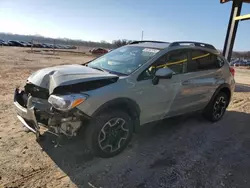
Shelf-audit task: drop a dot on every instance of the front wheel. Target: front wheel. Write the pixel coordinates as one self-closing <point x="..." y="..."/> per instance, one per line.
<point x="216" y="108"/>
<point x="108" y="134"/>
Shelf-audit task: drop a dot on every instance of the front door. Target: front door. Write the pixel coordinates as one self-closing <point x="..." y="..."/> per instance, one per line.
<point x="156" y="101"/>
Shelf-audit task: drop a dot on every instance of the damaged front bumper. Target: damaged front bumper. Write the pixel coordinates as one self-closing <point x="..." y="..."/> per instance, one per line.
<point x="26" y="114"/>
<point x="34" y="113"/>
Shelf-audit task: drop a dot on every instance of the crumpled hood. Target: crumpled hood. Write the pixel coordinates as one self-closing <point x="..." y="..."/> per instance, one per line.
<point x="52" y="77"/>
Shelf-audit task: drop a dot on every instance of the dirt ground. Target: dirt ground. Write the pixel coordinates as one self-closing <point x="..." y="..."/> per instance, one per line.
<point x="181" y="152"/>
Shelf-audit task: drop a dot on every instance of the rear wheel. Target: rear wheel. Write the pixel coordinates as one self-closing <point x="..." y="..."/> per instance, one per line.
<point x="216" y="108"/>
<point x="108" y="134"/>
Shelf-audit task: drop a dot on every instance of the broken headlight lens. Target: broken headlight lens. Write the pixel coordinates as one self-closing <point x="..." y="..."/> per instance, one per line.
<point x="66" y="102"/>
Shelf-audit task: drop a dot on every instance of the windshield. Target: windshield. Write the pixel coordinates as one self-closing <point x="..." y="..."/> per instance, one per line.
<point x="124" y="60"/>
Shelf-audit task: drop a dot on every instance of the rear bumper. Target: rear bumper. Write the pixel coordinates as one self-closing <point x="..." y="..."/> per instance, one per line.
<point x="26" y="115"/>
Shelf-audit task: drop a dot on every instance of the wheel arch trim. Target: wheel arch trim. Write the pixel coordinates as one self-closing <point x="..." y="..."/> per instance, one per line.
<point x="220" y="88"/>
<point x="132" y="106"/>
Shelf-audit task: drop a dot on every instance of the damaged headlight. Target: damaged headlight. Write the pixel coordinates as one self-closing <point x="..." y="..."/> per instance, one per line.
<point x="66" y="102"/>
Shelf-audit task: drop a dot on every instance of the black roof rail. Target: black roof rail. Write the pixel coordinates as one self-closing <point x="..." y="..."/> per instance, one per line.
<point x="199" y="44"/>
<point x="142" y="41"/>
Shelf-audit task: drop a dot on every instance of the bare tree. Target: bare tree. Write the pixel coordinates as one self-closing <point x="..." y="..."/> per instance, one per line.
<point x="121" y="42"/>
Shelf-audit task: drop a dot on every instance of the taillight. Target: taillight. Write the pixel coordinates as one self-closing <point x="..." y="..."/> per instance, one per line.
<point x="232" y="70"/>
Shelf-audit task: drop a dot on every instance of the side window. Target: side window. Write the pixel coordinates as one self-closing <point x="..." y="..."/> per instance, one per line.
<point x="202" y="60"/>
<point x="220" y="61"/>
<point x="174" y="60"/>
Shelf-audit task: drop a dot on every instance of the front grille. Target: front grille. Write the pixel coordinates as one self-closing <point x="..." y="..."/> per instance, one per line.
<point x="36" y="91"/>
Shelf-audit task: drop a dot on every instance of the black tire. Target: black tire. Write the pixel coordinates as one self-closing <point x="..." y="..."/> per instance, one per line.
<point x="94" y="133"/>
<point x="217" y="107"/>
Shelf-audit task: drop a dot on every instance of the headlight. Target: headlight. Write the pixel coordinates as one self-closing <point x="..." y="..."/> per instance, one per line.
<point x="66" y="102"/>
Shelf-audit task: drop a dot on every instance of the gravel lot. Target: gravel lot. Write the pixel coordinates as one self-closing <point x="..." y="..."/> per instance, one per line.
<point x="186" y="151"/>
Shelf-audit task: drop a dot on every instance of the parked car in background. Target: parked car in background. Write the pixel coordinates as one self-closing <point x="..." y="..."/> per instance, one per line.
<point x="25" y="44"/>
<point x="3" y="43"/>
<point x="243" y="62"/>
<point x="15" y="43"/>
<point x="37" y="45"/>
<point x="44" y="45"/>
<point x="68" y="47"/>
<point x="57" y="46"/>
<point x="98" y="51"/>
<point x="62" y="46"/>
<point x="48" y="45"/>
<point x="28" y="44"/>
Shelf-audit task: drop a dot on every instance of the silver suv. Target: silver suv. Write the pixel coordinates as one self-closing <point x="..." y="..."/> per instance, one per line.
<point x="112" y="96"/>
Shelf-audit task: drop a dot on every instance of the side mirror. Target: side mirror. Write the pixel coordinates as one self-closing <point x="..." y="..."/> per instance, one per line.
<point x="164" y="73"/>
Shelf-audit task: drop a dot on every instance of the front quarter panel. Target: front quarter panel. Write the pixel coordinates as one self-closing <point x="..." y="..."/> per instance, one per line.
<point x="100" y="96"/>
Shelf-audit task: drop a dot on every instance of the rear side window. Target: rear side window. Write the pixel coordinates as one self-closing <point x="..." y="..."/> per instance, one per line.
<point x="202" y="60"/>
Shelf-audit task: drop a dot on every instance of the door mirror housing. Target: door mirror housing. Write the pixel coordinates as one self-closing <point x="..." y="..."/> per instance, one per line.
<point x="162" y="73"/>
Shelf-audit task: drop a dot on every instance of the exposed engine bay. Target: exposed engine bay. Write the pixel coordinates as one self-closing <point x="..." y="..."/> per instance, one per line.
<point x="57" y="121"/>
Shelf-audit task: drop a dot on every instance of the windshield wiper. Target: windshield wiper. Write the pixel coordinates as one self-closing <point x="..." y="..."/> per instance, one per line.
<point x="98" y="68"/>
<point x="109" y="71"/>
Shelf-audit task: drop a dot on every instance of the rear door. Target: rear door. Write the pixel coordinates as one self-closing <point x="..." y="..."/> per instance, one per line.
<point x="202" y="77"/>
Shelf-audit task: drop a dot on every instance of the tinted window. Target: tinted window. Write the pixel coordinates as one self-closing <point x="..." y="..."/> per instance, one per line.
<point x="201" y="60"/>
<point x="173" y="60"/>
<point x="176" y="60"/>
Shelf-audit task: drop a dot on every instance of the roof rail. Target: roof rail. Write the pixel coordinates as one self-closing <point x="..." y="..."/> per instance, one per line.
<point x="142" y="41"/>
<point x="199" y="44"/>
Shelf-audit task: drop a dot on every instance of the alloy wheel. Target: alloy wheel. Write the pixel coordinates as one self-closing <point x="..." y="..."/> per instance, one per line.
<point x="219" y="107"/>
<point x="113" y="135"/>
